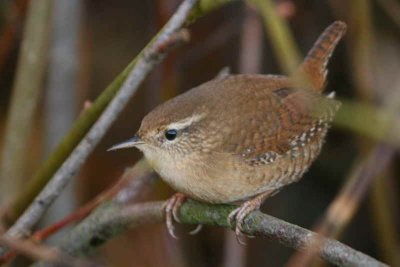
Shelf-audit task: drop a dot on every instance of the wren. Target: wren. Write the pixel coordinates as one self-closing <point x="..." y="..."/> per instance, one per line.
<point x="241" y="138"/>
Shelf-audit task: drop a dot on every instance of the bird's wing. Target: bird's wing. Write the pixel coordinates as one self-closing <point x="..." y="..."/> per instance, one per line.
<point x="279" y="121"/>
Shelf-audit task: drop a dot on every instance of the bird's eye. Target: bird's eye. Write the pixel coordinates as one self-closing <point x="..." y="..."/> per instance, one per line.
<point x="171" y="134"/>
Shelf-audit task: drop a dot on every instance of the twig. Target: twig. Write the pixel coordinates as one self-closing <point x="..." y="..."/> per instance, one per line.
<point x="151" y="56"/>
<point x="26" y="91"/>
<point x="112" y="219"/>
<point x="83" y="124"/>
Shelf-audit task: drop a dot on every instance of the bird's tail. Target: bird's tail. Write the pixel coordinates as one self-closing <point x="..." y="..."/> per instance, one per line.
<point x="313" y="69"/>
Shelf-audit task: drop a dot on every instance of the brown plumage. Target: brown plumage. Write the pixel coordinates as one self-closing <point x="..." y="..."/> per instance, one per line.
<point x="241" y="136"/>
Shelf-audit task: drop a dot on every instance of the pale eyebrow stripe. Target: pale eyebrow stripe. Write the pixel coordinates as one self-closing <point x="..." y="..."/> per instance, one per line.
<point x="185" y="122"/>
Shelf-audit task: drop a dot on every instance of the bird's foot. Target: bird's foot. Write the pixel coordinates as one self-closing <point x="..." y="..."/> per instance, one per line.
<point x="237" y="216"/>
<point x="171" y="208"/>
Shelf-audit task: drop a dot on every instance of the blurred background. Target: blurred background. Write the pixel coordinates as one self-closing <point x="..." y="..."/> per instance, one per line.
<point x="91" y="41"/>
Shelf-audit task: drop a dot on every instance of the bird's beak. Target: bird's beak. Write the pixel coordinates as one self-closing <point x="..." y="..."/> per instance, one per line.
<point x="134" y="141"/>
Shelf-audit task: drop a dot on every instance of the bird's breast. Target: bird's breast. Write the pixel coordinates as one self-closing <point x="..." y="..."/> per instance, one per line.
<point x="225" y="178"/>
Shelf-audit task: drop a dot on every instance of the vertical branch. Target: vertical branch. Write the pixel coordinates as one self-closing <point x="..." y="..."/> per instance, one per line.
<point x="60" y="104"/>
<point x="63" y="65"/>
<point x="26" y="92"/>
<point x="286" y="51"/>
<point x="250" y="58"/>
<point x="361" y="39"/>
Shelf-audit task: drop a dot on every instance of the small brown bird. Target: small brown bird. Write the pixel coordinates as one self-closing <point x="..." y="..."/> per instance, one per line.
<point x="241" y="137"/>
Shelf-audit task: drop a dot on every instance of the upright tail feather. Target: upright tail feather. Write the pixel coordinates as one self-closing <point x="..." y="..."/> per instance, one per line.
<point x="313" y="69"/>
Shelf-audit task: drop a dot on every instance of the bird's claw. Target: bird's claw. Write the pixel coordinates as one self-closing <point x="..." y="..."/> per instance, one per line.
<point x="196" y="230"/>
<point x="168" y="206"/>
<point x="238" y="215"/>
<point x="171" y="208"/>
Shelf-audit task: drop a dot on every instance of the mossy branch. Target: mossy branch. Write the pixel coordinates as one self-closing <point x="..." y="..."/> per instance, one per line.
<point x="112" y="219"/>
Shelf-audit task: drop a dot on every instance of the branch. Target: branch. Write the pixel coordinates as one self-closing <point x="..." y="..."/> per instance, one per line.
<point x="112" y="219"/>
<point x="62" y="86"/>
<point x="150" y="58"/>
